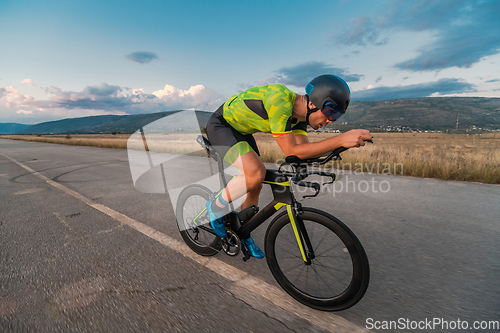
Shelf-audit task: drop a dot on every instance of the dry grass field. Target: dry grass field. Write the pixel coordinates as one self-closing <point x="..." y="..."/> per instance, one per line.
<point x="432" y="155"/>
<point x="118" y="141"/>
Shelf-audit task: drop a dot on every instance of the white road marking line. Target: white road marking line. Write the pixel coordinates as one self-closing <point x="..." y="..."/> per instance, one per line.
<point x="324" y="320"/>
<point x="63" y="221"/>
<point x="29" y="191"/>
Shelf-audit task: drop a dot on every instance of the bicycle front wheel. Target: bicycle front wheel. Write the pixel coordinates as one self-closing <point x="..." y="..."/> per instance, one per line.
<point x="338" y="275"/>
<point x="193" y="220"/>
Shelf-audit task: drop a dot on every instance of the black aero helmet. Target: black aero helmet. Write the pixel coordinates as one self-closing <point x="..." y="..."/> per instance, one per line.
<point x="327" y="88"/>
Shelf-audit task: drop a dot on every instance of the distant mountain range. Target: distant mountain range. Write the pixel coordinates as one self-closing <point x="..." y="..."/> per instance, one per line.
<point x="11" y="128"/>
<point x="102" y="124"/>
<point x="430" y="113"/>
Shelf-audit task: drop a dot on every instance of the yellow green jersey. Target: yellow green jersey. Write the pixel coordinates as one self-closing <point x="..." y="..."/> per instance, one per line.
<point x="265" y="109"/>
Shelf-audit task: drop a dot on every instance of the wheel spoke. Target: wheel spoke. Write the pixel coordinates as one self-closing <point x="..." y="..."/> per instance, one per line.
<point x="318" y="263"/>
<point x="321" y="241"/>
<point x="330" y="275"/>
<point x="300" y="274"/>
<point x="290" y="252"/>
<point x="332" y="256"/>
<point x="294" y="258"/>
<point x="329" y="249"/>
<point x="328" y="285"/>
<point x="307" y="279"/>
<point x="191" y="206"/>
<point x="295" y="267"/>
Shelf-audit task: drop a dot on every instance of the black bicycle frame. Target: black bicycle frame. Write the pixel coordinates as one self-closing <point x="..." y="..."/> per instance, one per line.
<point x="283" y="197"/>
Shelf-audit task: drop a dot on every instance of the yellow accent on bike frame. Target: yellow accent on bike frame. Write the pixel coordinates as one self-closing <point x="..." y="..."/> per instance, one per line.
<point x="279" y="205"/>
<point x="287" y="183"/>
<point x="294" y="226"/>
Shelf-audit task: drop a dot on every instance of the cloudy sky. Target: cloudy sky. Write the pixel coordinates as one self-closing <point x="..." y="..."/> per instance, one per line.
<point x="62" y="59"/>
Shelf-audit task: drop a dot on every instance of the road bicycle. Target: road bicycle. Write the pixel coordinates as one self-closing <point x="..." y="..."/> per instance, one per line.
<point x="312" y="255"/>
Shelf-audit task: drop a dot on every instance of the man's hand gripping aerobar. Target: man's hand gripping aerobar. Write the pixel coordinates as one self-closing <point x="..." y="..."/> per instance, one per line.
<point x="326" y="100"/>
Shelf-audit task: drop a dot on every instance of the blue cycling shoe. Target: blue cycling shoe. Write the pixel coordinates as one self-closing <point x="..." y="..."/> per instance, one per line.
<point x="252" y="248"/>
<point x="216" y="220"/>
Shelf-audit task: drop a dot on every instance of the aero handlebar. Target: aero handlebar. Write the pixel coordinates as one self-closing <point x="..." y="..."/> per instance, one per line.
<point x="301" y="172"/>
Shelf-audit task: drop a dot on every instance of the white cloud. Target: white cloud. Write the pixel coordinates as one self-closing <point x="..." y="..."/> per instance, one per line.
<point x="28" y="82"/>
<point x="197" y="97"/>
<point x="11" y="98"/>
<point x="102" y="99"/>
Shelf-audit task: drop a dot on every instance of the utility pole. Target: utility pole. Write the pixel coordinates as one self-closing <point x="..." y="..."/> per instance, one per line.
<point x="456" y="129"/>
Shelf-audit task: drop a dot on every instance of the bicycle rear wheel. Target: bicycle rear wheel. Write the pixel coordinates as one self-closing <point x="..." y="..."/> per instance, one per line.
<point x="339" y="273"/>
<point x="193" y="220"/>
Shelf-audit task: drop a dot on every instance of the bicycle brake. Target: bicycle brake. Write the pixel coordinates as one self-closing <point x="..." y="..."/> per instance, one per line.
<point x="332" y="181"/>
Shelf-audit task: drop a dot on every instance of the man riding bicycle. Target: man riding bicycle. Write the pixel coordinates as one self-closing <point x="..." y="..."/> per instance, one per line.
<point x="274" y="109"/>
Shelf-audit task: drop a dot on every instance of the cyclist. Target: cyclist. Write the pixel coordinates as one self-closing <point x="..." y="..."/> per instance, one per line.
<point x="274" y="109"/>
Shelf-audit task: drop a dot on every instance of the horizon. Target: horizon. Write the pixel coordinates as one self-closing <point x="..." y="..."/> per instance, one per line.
<point x="169" y="55"/>
<point x="126" y="115"/>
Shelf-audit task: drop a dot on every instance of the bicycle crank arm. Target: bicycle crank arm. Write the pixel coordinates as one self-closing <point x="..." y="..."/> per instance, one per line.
<point x="246" y="254"/>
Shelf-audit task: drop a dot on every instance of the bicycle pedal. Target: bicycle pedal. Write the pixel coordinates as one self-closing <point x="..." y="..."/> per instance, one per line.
<point x="246" y="254"/>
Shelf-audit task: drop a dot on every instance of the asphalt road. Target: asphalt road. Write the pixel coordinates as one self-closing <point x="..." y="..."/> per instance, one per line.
<point x="70" y="261"/>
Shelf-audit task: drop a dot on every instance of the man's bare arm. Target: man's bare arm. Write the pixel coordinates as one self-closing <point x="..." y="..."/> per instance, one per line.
<point x="290" y="145"/>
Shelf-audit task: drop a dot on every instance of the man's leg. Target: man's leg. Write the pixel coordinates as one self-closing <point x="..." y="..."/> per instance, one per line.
<point x="249" y="182"/>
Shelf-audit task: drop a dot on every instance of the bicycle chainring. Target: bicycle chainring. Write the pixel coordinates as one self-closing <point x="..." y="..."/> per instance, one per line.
<point x="231" y="244"/>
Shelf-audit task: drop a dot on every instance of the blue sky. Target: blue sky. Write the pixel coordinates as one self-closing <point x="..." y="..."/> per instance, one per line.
<point x="62" y="59"/>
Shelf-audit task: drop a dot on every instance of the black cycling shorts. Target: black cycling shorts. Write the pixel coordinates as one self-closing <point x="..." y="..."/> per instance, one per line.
<point x="228" y="142"/>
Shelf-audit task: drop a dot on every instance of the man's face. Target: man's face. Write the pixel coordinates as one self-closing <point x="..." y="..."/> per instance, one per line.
<point x="317" y="119"/>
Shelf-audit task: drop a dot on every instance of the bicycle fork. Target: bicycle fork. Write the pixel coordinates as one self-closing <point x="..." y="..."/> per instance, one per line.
<point x="303" y="241"/>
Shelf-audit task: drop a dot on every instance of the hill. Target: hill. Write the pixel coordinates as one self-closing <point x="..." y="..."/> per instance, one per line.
<point x="74" y="125"/>
<point x="430" y="113"/>
<point x="11" y="128"/>
<point x="103" y="124"/>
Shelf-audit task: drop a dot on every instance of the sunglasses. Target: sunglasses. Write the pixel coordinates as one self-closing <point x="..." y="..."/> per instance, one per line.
<point x="332" y="111"/>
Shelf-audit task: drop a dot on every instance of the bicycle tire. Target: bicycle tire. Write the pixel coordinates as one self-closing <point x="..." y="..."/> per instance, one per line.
<point x="336" y="248"/>
<point x="192" y="200"/>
